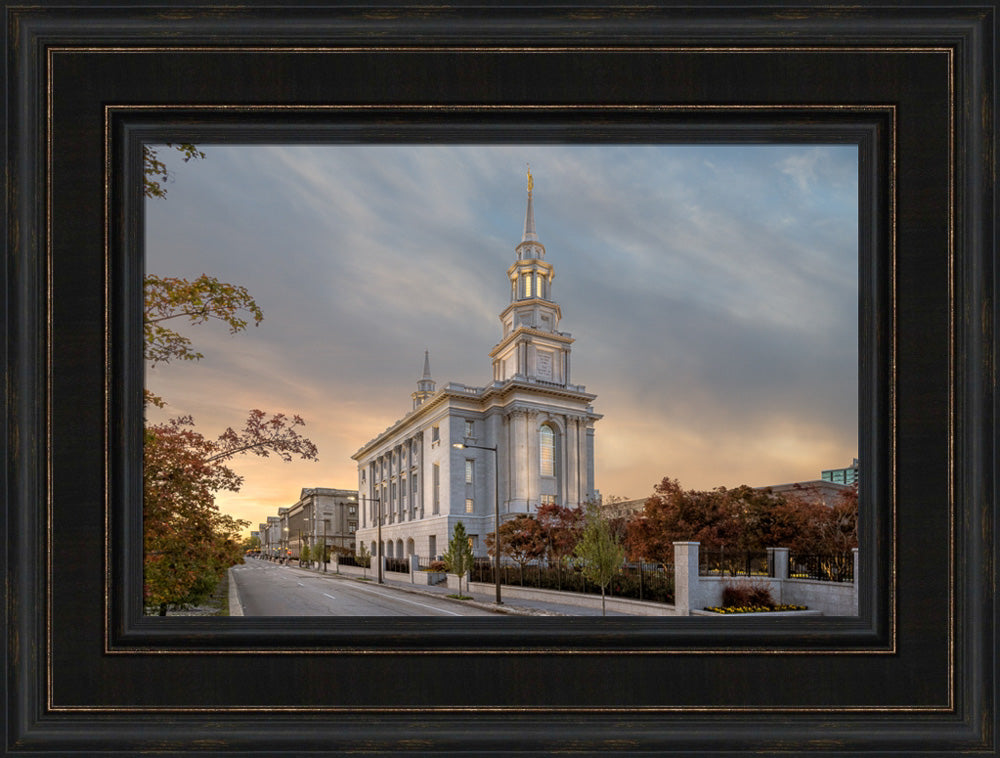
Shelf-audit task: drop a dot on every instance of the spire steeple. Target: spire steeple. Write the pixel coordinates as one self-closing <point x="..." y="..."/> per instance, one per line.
<point x="530" y="248"/>
<point x="425" y="385"/>
<point x="529" y="216"/>
<point x="532" y="347"/>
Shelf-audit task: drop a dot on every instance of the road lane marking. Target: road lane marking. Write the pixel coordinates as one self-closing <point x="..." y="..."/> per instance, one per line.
<point x="390" y="597"/>
<point x="404" y="600"/>
<point x="329" y="596"/>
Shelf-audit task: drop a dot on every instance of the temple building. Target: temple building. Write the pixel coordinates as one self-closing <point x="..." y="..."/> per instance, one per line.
<point x="523" y="440"/>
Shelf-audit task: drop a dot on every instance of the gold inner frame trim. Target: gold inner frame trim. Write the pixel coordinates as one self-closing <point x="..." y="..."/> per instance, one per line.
<point x="461" y="108"/>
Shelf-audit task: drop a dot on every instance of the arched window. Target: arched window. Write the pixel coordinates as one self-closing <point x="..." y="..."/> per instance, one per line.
<point x="547" y="447"/>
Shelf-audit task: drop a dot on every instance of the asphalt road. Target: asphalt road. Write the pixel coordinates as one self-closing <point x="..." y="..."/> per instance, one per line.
<point x="267" y="589"/>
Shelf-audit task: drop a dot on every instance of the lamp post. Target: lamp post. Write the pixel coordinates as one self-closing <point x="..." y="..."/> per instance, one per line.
<point x="496" y="510"/>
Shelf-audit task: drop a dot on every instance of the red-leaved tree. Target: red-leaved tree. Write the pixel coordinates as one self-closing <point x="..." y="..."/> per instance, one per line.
<point x="521" y="540"/>
<point x="742" y="519"/>
<point x="188" y="542"/>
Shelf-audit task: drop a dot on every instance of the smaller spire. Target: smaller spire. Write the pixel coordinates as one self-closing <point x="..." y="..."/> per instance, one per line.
<point x="425" y="385"/>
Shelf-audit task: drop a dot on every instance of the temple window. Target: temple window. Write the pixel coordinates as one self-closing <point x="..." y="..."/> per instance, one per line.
<point x="547" y="446"/>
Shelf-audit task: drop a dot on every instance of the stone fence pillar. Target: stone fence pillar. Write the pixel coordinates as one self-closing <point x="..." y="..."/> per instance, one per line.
<point x="686" y="593"/>
<point x="414" y="568"/>
<point x="857" y="604"/>
<point x="779" y="556"/>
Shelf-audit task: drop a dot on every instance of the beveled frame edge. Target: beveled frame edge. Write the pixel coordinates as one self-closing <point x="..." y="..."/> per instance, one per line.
<point x="871" y="127"/>
<point x="973" y="330"/>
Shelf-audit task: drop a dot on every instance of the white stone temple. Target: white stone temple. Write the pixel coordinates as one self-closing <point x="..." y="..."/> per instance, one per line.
<point x="528" y="435"/>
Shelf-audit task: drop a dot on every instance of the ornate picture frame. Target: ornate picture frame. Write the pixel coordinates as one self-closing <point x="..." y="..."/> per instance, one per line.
<point x="912" y="85"/>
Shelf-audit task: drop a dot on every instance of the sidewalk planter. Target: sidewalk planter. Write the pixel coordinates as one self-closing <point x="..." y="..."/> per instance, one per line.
<point x="756" y="609"/>
<point x="757" y="614"/>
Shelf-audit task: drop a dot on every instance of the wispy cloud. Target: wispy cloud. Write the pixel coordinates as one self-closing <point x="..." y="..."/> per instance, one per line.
<point x="712" y="291"/>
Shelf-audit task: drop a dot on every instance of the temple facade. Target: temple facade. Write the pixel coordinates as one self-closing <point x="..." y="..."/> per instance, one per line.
<point x="522" y="440"/>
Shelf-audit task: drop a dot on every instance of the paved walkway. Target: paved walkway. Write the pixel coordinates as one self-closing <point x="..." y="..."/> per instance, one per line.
<point x="518" y="606"/>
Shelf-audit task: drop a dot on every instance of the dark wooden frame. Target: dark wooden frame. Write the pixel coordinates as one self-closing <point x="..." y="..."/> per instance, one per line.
<point x="914" y="85"/>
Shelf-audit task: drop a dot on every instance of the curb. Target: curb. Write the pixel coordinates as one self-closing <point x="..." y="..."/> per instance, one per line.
<point x="235" y="607"/>
<point x="508" y="610"/>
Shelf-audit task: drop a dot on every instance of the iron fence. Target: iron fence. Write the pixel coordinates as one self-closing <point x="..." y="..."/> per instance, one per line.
<point x="837" y="567"/>
<point x="640" y="581"/>
<point x="733" y="563"/>
<point x="400" y="565"/>
<point x="353" y="560"/>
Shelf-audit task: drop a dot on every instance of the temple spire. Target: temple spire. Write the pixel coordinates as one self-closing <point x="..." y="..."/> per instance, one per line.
<point x="532" y="347"/>
<point x="425" y="385"/>
<point x="530" y="247"/>
<point x="529" y="216"/>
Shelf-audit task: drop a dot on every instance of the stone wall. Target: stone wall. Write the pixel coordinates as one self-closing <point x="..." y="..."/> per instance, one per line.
<point x="694" y="592"/>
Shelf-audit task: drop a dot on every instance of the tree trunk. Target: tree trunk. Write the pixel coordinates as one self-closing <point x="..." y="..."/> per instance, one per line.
<point x="603" y="611"/>
<point x="163" y="609"/>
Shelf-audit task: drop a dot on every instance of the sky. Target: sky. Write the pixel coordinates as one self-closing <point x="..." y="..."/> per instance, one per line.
<point x="712" y="291"/>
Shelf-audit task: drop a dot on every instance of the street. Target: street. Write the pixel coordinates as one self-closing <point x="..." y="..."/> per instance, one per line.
<point x="269" y="589"/>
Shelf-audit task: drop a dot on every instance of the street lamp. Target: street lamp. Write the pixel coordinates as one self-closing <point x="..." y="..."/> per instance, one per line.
<point x="379" y="534"/>
<point x="496" y="510"/>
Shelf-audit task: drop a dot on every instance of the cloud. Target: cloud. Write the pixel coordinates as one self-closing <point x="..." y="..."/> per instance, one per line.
<point x="712" y="292"/>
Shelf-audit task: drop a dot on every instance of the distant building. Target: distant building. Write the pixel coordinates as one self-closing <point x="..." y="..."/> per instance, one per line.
<point x="530" y="425"/>
<point x="624" y="508"/>
<point x="321" y="516"/>
<point x="847" y="475"/>
<point x="816" y="490"/>
<point x="282" y="532"/>
<point x="271" y="537"/>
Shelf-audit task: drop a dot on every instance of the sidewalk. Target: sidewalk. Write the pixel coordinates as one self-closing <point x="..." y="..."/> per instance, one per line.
<point x="486" y="601"/>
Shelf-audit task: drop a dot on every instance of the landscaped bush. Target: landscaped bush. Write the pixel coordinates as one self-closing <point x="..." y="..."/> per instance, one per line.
<point x="747" y="594"/>
<point x="760" y="594"/>
<point x="437" y="566"/>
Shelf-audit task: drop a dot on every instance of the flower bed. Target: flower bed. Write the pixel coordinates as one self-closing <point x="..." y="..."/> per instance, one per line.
<point x="755" y="608"/>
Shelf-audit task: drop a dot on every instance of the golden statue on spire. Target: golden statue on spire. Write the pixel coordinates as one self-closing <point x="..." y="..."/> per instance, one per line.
<point x="531" y="182"/>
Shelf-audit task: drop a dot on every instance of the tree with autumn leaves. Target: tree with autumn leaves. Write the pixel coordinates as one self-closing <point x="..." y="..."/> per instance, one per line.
<point x="742" y="519"/>
<point x="739" y="519"/>
<point x="188" y="542"/>
<point x="521" y="539"/>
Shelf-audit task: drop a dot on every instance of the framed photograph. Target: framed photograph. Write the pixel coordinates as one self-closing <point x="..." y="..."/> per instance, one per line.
<point x="907" y="92"/>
